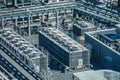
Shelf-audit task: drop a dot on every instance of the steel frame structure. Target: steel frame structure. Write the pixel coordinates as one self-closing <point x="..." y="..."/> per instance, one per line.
<point x="75" y="8"/>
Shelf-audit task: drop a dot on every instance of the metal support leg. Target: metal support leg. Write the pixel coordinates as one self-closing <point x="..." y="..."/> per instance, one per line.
<point x="19" y="31"/>
<point x="99" y="24"/>
<point x="15" y="26"/>
<point x="39" y="22"/>
<point x="3" y="23"/>
<point x="77" y="16"/>
<point x="29" y="30"/>
<point x="72" y="12"/>
<point x="15" y="22"/>
<point x="5" y="3"/>
<point x="42" y="18"/>
<point x="22" y="2"/>
<point x="92" y="20"/>
<point x="15" y="3"/>
<point x="57" y="19"/>
<point x="31" y="2"/>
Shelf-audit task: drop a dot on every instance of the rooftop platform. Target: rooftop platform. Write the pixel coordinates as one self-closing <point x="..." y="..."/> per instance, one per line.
<point x="99" y="74"/>
<point x="110" y="35"/>
<point x="84" y="24"/>
<point x="62" y="40"/>
<point x="80" y="27"/>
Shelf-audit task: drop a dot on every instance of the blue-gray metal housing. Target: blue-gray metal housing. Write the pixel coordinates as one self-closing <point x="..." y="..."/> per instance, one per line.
<point x="104" y="52"/>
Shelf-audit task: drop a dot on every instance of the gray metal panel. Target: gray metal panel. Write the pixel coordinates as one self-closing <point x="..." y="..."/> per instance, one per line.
<point x="105" y="56"/>
<point x="50" y="37"/>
